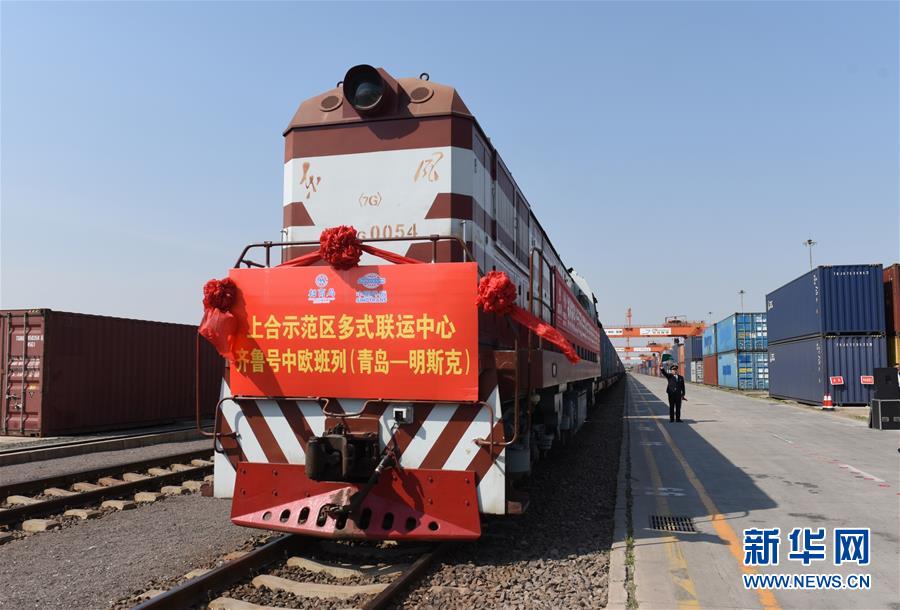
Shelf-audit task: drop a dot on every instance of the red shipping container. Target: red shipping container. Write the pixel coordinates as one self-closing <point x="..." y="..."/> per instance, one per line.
<point x="892" y="299"/>
<point x="711" y="370"/>
<point x="65" y="373"/>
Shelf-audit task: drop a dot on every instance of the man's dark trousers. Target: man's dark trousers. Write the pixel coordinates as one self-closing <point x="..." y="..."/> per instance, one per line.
<point x="674" y="406"/>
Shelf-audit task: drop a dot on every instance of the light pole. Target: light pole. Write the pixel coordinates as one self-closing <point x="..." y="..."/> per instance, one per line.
<point x="809" y="243"/>
<point x="742" y="293"/>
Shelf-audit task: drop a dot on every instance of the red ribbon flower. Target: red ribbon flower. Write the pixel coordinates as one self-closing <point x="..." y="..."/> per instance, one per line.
<point x="219" y="294"/>
<point x="340" y="247"/>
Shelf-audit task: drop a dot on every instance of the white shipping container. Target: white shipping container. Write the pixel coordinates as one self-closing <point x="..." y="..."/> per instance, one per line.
<point x="697" y="371"/>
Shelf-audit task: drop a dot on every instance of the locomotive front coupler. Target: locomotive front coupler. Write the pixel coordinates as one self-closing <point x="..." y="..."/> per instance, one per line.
<point x="387" y="460"/>
<point x="356" y="500"/>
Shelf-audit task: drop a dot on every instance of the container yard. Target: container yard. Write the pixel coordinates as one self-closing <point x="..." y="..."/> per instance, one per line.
<point x="423" y="333"/>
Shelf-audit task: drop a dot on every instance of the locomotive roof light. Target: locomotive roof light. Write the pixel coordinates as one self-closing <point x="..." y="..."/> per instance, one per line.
<point x="364" y="88"/>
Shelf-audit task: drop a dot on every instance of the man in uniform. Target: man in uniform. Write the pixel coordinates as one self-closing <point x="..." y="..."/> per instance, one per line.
<point x="675" y="390"/>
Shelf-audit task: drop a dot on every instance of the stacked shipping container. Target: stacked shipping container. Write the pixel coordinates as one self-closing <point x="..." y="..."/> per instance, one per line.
<point x="710" y="364"/>
<point x="829" y="322"/>
<point x="892" y="312"/>
<point x="693" y="359"/>
<point x="741" y="359"/>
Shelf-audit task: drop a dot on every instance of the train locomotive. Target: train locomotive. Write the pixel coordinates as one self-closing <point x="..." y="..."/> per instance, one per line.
<point x="372" y="392"/>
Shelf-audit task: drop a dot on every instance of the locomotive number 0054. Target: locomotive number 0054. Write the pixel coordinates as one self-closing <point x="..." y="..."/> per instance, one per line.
<point x="397" y="230"/>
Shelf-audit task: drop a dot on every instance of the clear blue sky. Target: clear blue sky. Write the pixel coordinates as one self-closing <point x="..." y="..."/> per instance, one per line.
<point x="675" y="152"/>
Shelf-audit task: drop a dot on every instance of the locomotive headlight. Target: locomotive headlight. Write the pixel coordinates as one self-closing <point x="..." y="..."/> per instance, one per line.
<point x="364" y="88"/>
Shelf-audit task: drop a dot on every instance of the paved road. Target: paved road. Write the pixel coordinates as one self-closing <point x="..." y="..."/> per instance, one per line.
<point x="738" y="463"/>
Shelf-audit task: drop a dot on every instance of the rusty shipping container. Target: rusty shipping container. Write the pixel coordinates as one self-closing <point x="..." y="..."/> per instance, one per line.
<point x="892" y="299"/>
<point x="710" y="370"/>
<point x="65" y="373"/>
<point x="893" y="350"/>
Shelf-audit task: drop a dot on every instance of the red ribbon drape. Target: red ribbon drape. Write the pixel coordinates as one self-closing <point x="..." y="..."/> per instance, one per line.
<point x="497" y="294"/>
<point x="341" y="248"/>
<point x="219" y="326"/>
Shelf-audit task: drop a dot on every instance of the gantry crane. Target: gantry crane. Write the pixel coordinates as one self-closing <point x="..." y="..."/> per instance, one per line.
<point x="674" y="326"/>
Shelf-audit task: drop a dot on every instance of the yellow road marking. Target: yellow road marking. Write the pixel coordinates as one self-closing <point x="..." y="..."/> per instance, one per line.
<point x="685" y="592"/>
<point x="719" y="522"/>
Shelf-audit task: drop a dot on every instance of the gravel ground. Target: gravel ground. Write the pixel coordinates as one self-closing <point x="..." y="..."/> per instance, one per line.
<point x="17" y="473"/>
<point x="556" y="555"/>
<point x="99" y="562"/>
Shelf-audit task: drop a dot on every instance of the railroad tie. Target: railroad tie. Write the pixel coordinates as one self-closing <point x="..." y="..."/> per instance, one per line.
<point x="83" y="486"/>
<point x="227" y="603"/>
<point x="131" y="477"/>
<point x="381" y="554"/>
<point x="82" y="513"/>
<point x="342" y="571"/>
<point x="56" y="492"/>
<point x="39" y="525"/>
<point x="21" y="501"/>
<point x="315" y="589"/>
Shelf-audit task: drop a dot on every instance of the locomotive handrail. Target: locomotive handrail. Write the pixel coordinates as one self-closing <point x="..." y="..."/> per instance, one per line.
<point x="215" y="434"/>
<point x="268" y="245"/>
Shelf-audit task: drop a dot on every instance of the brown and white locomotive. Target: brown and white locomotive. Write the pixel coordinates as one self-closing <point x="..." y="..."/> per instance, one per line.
<point x="378" y="401"/>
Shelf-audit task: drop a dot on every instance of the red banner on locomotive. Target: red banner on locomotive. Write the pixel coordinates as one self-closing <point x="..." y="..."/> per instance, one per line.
<point x="394" y="332"/>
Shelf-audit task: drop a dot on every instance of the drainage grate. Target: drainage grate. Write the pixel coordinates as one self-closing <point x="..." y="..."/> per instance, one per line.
<point x="668" y="523"/>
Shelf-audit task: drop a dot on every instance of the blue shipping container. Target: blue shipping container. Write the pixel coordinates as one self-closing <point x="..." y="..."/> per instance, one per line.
<point x="839" y="299"/>
<point x="725" y="335"/>
<point x="801" y="369"/>
<point x="742" y="332"/>
<point x="753" y="370"/>
<point x="693" y="349"/>
<point x="709" y="340"/>
<point x="728" y="369"/>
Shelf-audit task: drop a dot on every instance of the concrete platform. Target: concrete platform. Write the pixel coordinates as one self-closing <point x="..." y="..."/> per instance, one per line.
<point x="737" y="463"/>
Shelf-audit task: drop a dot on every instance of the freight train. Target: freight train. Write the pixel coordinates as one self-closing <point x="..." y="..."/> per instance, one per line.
<point x="379" y="401"/>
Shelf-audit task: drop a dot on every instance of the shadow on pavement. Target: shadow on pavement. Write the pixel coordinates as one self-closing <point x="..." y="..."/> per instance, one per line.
<point x="734" y="493"/>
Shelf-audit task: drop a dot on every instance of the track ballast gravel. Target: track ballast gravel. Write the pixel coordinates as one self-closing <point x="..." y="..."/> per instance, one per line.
<point x="95" y="563"/>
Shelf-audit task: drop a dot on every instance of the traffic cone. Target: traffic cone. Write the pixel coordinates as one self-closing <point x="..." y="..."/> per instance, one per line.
<point x="826" y="403"/>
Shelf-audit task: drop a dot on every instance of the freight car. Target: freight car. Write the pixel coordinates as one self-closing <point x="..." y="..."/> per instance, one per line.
<point x="372" y="400"/>
<point x="72" y="373"/>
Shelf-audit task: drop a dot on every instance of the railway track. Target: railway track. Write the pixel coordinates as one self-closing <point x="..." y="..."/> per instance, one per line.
<point x="302" y="572"/>
<point x="25" y="502"/>
<point x="11" y="454"/>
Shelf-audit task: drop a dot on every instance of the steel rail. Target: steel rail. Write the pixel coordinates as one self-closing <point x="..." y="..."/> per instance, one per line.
<point x="198" y="589"/>
<point x="89" y="441"/>
<point x="415" y="571"/>
<point x="202" y="588"/>
<point x="64" y="480"/>
<point x="86" y="498"/>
